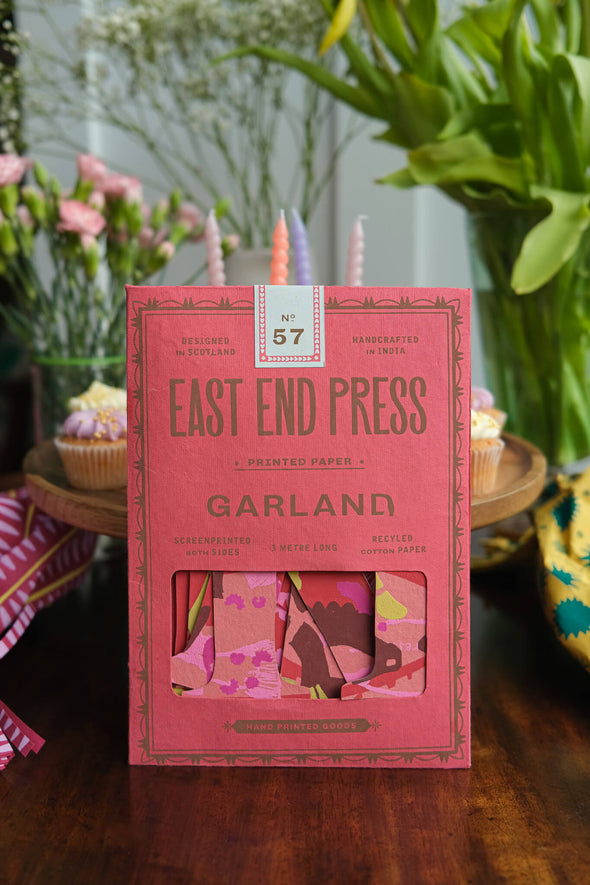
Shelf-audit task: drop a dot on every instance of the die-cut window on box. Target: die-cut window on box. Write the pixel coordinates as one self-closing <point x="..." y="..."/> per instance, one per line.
<point x="310" y="635"/>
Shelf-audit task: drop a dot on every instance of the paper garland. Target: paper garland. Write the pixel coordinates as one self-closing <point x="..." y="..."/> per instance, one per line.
<point x="304" y="634"/>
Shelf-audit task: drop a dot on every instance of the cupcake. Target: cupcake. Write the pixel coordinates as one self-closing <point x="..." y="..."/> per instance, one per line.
<point x="482" y="400"/>
<point x="93" y="448"/>
<point x="99" y="396"/>
<point x="486" y="451"/>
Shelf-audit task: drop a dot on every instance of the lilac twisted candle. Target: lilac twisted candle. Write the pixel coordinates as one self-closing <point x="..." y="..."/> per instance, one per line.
<point x="356" y="253"/>
<point x="215" y="264"/>
<point x="303" y="275"/>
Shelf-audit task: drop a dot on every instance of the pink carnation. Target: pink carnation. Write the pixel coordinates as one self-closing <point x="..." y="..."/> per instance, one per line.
<point x="78" y="218"/>
<point x="149" y="239"/>
<point x="191" y="216"/>
<point x="12" y="168"/>
<point x="97" y="200"/>
<point x="124" y="187"/>
<point x="90" y="168"/>
<point x="24" y="216"/>
<point x="88" y="241"/>
<point x="166" y="250"/>
<point x="146" y="236"/>
<point x="233" y="241"/>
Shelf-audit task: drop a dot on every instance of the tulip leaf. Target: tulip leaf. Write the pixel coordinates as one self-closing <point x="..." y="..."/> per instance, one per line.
<point x="572" y="17"/>
<point x="480" y="30"/>
<point x="516" y="66"/>
<point x="401" y="179"/>
<point x="464" y="159"/>
<point x="563" y="131"/>
<point x="494" y="122"/>
<point x="423" y="19"/>
<point x="474" y="42"/>
<point x="419" y="110"/>
<point x="389" y="28"/>
<point x="551" y="242"/>
<point x="464" y="84"/>
<point x="579" y="67"/>
<point x="548" y="23"/>
<point x="361" y="99"/>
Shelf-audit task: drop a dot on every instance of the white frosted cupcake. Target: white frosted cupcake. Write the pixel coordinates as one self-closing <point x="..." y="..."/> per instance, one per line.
<point x="93" y="448"/>
<point x="99" y="396"/>
<point x="486" y="451"/>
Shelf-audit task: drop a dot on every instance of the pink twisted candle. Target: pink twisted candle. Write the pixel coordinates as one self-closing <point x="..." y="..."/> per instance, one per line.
<point x="214" y="251"/>
<point x="303" y="276"/>
<point x="279" y="266"/>
<point x="356" y="249"/>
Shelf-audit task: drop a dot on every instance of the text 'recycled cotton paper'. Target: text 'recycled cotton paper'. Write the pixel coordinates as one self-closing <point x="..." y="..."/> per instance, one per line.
<point x="238" y="470"/>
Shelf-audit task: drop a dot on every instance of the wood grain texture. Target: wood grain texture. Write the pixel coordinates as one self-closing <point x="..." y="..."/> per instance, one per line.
<point x="104" y="512"/>
<point x="520" y="480"/>
<point x="78" y="813"/>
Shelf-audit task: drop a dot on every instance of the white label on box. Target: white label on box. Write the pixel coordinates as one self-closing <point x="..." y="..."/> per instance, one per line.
<point x="289" y="324"/>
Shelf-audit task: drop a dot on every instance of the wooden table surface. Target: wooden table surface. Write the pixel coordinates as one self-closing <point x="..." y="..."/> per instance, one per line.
<point x="77" y="813"/>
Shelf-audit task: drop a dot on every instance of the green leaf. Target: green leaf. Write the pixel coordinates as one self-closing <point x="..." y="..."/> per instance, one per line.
<point x="401" y="179"/>
<point x="389" y="28"/>
<point x="360" y="99"/>
<point x="563" y="124"/>
<point x="548" y="23"/>
<point x="572" y="18"/>
<point x="461" y="82"/>
<point x="553" y="240"/>
<point x="423" y="19"/>
<point x="494" y="122"/>
<point x="419" y="110"/>
<point x="579" y="67"/>
<point x="517" y="75"/>
<point x="474" y="42"/>
<point x="480" y="31"/>
<point x="369" y="76"/>
<point x="465" y="159"/>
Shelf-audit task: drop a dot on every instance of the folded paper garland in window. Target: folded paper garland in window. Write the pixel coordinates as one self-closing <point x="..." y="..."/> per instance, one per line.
<point x="298" y="634"/>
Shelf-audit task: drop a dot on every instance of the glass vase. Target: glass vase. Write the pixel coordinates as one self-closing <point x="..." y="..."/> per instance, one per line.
<point x="56" y="379"/>
<point x="537" y="345"/>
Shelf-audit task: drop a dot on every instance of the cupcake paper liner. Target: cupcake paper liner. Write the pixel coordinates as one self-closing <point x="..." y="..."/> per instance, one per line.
<point x="96" y="466"/>
<point x="485" y="460"/>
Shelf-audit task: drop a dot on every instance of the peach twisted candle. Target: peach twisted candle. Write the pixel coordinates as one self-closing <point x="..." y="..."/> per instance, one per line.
<point x="215" y="263"/>
<point x="356" y="253"/>
<point x="279" y="266"/>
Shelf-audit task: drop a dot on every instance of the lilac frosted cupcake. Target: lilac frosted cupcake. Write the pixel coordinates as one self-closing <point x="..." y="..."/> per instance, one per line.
<point x="93" y="448"/>
<point x="482" y="400"/>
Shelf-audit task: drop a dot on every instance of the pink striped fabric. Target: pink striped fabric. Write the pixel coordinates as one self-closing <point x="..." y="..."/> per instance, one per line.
<point x="41" y="559"/>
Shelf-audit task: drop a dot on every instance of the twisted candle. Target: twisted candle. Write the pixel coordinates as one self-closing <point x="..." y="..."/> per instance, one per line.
<point x="356" y="249"/>
<point x="279" y="266"/>
<point x="303" y="275"/>
<point x="214" y="251"/>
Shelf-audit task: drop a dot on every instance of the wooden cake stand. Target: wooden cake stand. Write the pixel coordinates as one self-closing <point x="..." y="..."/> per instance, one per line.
<point x="520" y="481"/>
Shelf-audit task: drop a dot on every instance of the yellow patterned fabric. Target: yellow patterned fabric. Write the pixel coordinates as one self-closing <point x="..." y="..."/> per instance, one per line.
<point x="563" y="529"/>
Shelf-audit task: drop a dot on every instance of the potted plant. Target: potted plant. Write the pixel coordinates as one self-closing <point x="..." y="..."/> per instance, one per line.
<point x="493" y="108"/>
<point x="67" y="256"/>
